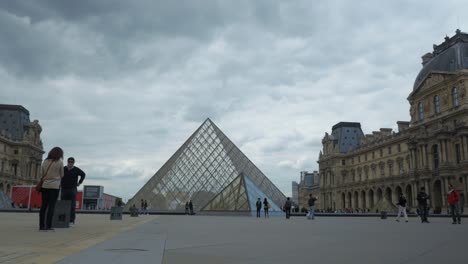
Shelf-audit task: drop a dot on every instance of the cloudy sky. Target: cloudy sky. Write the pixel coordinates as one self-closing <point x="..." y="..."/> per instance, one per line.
<point x="120" y="85"/>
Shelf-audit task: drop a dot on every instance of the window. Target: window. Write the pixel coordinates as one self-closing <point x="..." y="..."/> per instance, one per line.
<point x="421" y="111"/>
<point x="390" y="169"/>
<point x="389" y="150"/>
<point x="455" y="96"/>
<point x="399" y="148"/>
<point x="457" y="153"/>
<point x="436" y="104"/>
<point x="343" y="162"/>
<point x="365" y="157"/>
<point x="382" y="170"/>
<point x="400" y="166"/>
<point x="381" y="152"/>
<point x="373" y="155"/>
<point x="359" y="158"/>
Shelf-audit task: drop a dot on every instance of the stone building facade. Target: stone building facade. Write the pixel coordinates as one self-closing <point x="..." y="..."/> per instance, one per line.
<point x="431" y="150"/>
<point x="21" y="148"/>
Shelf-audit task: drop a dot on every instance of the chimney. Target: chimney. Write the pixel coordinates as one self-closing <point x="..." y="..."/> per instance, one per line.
<point x="403" y="125"/>
<point x="426" y="58"/>
<point x="385" y="131"/>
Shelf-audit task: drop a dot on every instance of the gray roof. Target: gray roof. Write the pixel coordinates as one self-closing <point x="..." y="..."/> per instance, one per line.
<point x="450" y="56"/>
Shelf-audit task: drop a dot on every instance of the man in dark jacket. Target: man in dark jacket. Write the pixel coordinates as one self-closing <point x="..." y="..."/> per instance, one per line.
<point x="311" y="203"/>
<point x="422" y="204"/>
<point x="191" y="207"/>
<point x="259" y="206"/>
<point x="287" y="208"/>
<point x="70" y="184"/>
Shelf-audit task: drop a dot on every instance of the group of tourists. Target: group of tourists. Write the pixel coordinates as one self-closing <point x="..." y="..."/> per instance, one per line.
<point x="453" y="199"/>
<point x="143" y="207"/>
<point x="56" y="179"/>
<point x="189" y="208"/>
<point x="266" y="207"/>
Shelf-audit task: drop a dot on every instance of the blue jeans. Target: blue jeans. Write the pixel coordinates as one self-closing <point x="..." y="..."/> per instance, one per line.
<point x="311" y="212"/>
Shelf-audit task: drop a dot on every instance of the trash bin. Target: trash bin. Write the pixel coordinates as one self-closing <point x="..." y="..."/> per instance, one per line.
<point x="383" y="215"/>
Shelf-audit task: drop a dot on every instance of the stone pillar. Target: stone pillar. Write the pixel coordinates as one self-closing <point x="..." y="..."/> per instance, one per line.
<point x="394" y="197"/>
<point x="368" y="205"/>
<point x="447" y="154"/>
<point x="426" y="187"/>
<point x="414" y="190"/>
<point x="441" y="151"/>
<point x="444" y="183"/>
<point x="463" y="148"/>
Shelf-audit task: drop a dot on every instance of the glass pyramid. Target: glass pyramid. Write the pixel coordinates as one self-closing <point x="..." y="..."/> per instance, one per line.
<point x="240" y="195"/>
<point x="199" y="170"/>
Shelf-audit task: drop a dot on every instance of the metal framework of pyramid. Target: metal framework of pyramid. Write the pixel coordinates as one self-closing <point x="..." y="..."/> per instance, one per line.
<point x="205" y="165"/>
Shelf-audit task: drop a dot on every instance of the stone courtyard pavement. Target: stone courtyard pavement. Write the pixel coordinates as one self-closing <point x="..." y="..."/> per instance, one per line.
<point x="233" y="239"/>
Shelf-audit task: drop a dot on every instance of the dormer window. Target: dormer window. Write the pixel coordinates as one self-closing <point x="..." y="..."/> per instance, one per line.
<point x="436" y="104"/>
<point x="420" y="111"/>
<point x="455" y="96"/>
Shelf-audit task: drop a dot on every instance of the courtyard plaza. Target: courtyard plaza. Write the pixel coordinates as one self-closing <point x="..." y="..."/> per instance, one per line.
<point x="232" y="239"/>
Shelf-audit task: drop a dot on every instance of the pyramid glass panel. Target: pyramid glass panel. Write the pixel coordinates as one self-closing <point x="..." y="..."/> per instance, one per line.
<point x="206" y="164"/>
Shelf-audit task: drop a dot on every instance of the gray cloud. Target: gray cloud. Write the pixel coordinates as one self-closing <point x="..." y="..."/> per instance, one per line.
<point x="121" y="85"/>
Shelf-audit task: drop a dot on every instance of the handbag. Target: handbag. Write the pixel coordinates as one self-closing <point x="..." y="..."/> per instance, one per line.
<point x="41" y="181"/>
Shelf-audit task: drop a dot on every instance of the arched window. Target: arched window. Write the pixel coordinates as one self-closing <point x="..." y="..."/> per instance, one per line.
<point x="421" y="111"/>
<point x="436" y="104"/>
<point x="455" y="96"/>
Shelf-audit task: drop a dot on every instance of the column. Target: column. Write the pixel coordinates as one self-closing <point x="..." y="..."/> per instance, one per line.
<point x="414" y="190"/>
<point x="444" y="192"/>
<point x="441" y="151"/>
<point x="368" y="205"/>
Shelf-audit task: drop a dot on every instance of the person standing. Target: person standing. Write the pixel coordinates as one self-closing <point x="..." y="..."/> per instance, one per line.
<point x="402" y="208"/>
<point x="422" y="204"/>
<point x="453" y="198"/>
<point x="186" y="208"/>
<point x="142" y="206"/>
<point x="146" y="207"/>
<point x="259" y="206"/>
<point x="311" y="203"/>
<point x="52" y="173"/>
<point x="191" y="207"/>
<point x="70" y="185"/>
<point x="287" y="208"/>
<point x="266" y="205"/>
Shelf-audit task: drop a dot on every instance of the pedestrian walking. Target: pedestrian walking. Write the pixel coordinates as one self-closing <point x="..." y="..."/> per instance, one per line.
<point x="191" y="207"/>
<point x="402" y="208"/>
<point x="142" y="206"/>
<point x="52" y="173"/>
<point x="145" y="205"/>
<point x="70" y="184"/>
<point x="311" y="203"/>
<point x="422" y="205"/>
<point x="186" y="208"/>
<point x="453" y="199"/>
<point x="266" y="206"/>
<point x="259" y="206"/>
<point x="287" y="207"/>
